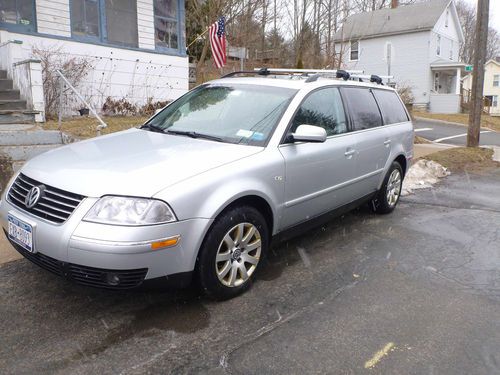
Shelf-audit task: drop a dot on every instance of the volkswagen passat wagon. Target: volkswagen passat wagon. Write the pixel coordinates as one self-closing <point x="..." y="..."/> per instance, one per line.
<point x="203" y="186"/>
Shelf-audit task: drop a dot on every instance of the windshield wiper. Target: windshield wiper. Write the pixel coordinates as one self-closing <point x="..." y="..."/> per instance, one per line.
<point x="153" y="128"/>
<point x="193" y="134"/>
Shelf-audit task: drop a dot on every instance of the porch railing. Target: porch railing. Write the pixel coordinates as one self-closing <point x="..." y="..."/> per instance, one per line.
<point x="466" y="98"/>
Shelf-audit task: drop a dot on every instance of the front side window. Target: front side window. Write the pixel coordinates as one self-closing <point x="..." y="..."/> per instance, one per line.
<point x="85" y="18"/>
<point x="108" y="21"/>
<point x="391" y="107"/>
<point x="354" y="51"/>
<point x="362" y="107"/>
<point x="243" y="114"/>
<point x="166" y="24"/>
<point x="20" y="13"/>
<point x="496" y="80"/>
<point x="322" y="108"/>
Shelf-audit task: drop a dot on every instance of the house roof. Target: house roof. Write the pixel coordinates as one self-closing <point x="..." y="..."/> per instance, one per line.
<point x="403" y="19"/>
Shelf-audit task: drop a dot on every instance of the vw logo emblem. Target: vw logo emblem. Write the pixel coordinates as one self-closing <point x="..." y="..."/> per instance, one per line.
<point x="33" y="196"/>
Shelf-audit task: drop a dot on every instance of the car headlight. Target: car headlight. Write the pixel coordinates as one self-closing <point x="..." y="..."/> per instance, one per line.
<point x="130" y="211"/>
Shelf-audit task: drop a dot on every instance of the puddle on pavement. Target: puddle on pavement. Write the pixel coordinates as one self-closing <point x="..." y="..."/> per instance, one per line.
<point x="186" y="315"/>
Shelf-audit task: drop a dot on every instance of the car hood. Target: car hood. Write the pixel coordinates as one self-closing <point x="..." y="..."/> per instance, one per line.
<point x="134" y="162"/>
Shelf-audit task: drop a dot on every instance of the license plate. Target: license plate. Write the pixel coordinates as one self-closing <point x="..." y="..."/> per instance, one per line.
<point x="21" y="233"/>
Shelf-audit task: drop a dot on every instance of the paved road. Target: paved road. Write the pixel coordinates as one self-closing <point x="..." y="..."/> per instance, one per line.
<point x="452" y="134"/>
<point x="414" y="292"/>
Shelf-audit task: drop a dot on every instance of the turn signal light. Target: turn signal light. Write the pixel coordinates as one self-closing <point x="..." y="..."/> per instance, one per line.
<point x="169" y="242"/>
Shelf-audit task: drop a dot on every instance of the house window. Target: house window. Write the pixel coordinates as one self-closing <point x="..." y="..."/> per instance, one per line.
<point x="447" y="19"/>
<point x="451" y="50"/>
<point x="438" y="45"/>
<point x="436" y="82"/>
<point x="85" y="18"/>
<point x="107" y="21"/>
<point x="496" y="80"/>
<point x="19" y="14"/>
<point x="494" y="102"/>
<point x="121" y="22"/>
<point x="166" y="24"/>
<point x="354" y="51"/>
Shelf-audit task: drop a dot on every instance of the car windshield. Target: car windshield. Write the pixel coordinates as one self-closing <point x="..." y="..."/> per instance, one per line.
<point x="243" y="114"/>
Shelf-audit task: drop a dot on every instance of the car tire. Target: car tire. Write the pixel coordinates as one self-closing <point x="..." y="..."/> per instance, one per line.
<point x="388" y="196"/>
<point x="232" y="251"/>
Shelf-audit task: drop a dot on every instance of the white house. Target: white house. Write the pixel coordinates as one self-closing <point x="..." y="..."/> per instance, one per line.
<point x="491" y="89"/>
<point x="417" y="44"/>
<point x="136" y="48"/>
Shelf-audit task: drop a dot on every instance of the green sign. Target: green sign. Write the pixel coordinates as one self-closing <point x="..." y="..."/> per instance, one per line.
<point x="468" y="68"/>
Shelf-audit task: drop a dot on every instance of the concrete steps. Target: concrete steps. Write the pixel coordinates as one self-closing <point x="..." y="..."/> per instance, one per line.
<point x="17" y="117"/>
<point x="10" y="95"/>
<point x="12" y="108"/>
<point x="21" y="142"/>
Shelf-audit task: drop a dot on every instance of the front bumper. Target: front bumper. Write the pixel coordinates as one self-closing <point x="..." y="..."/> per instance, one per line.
<point x="97" y="250"/>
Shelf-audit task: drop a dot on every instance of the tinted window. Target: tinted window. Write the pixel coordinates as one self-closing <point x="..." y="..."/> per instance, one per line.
<point x="391" y="107"/>
<point x="322" y="108"/>
<point x="363" y="108"/>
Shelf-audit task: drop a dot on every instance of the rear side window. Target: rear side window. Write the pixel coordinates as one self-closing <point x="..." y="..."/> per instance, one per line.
<point x="322" y="108"/>
<point x="391" y="107"/>
<point x="363" y="108"/>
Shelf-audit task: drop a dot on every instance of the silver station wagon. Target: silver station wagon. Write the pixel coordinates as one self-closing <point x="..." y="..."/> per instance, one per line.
<point x="201" y="189"/>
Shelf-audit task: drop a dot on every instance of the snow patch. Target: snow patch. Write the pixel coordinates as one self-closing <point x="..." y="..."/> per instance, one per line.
<point x="422" y="175"/>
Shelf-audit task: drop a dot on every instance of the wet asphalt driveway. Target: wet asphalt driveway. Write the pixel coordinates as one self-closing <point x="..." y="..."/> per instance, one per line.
<point x="415" y="292"/>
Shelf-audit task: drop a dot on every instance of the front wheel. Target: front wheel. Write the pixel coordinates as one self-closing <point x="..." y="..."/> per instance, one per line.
<point x="388" y="196"/>
<point x="232" y="251"/>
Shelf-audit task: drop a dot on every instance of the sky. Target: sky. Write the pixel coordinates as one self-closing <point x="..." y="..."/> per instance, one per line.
<point x="494" y="13"/>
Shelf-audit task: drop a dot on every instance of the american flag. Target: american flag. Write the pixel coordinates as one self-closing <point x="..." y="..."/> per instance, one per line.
<point x="217" y="33"/>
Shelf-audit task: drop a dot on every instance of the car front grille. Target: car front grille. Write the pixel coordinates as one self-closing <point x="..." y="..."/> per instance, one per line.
<point x="90" y="276"/>
<point x="54" y="205"/>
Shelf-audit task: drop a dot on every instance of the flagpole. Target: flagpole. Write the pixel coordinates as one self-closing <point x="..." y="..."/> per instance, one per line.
<point x="197" y="37"/>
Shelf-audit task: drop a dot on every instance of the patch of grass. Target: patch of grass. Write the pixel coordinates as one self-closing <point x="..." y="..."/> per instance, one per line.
<point x="461" y="118"/>
<point x="460" y="159"/>
<point x="85" y="127"/>
<point x="420" y="141"/>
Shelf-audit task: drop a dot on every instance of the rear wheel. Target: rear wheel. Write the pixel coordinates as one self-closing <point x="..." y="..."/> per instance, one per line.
<point x="388" y="196"/>
<point x="232" y="252"/>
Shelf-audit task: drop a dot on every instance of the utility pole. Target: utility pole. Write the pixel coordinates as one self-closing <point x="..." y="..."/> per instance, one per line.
<point x="478" y="76"/>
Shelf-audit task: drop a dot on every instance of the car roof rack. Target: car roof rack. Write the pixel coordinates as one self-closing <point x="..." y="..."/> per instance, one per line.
<point x="312" y="75"/>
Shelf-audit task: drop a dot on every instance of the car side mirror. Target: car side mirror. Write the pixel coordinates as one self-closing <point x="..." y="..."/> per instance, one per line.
<point x="309" y="133"/>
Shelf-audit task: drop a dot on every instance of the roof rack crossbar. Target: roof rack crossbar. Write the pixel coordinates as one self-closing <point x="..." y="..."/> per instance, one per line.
<point x="313" y="74"/>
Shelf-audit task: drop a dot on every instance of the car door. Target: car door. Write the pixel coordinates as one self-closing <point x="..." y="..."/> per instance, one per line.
<point x="317" y="175"/>
<point x="372" y="139"/>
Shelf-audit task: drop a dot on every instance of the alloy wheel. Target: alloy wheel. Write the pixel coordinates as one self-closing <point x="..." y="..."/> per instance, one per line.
<point x="238" y="254"/>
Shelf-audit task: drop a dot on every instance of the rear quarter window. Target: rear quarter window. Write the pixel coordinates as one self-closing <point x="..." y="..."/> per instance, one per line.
<point x="362" y="107"/>
<point x="391" y="107"/>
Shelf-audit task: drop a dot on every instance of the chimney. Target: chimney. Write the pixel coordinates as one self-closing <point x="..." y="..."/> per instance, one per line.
<point x="394" y="4"/>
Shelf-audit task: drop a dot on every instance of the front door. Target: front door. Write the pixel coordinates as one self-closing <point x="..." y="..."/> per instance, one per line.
<point x="318" y="175"/>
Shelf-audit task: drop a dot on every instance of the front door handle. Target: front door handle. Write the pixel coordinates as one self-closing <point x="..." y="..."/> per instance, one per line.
<point x="349" y="153"/>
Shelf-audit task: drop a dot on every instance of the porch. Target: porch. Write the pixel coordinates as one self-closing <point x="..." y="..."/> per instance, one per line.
<point x="445" y="96"/>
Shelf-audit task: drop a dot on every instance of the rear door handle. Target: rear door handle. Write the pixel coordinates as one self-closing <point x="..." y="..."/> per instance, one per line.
<point x="348" y="154"/>
<point x="387" y="142"/>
